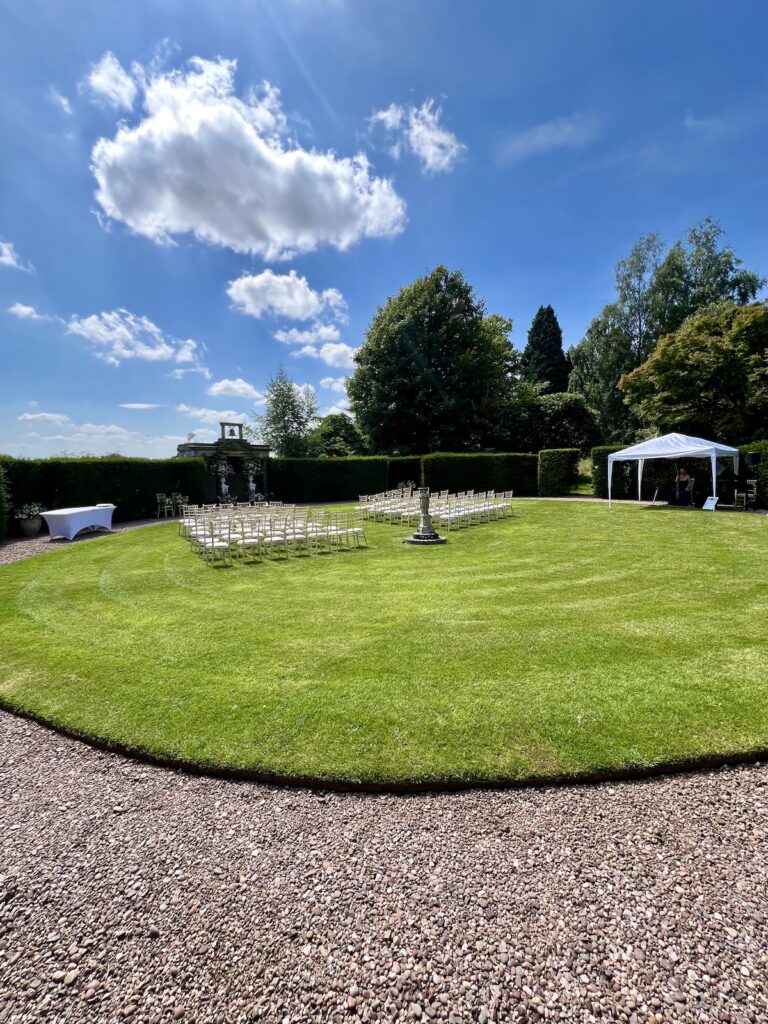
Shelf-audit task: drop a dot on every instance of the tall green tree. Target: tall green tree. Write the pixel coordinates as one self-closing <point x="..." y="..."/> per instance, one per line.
<point x="635" y="276"/>
<point x="290" y="414"/>
<point x="434" y="372"/>
<point x="337" y="435"/>
<point x="709" y="378"/>
<point x="619" y="339"/>
<point x="566" y="421"/>
<point x="544" y="361"/>
<point x="599" y="361"/>
<point x="655" y="294"/>
<point x="697" y="274"/>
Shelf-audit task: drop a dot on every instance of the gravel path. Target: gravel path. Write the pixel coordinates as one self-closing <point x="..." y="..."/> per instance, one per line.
<point x="16" y="548"/>
<point x="132" y="893"/>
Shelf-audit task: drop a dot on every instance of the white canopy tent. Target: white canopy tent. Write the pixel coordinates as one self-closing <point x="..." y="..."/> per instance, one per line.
<point x="673" y="446"/>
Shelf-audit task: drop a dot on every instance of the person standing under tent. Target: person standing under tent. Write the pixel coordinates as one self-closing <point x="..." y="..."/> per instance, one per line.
<point x="682" y="490"/>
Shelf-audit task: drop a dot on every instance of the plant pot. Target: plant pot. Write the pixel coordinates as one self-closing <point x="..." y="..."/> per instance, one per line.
<point x="31" y="527"/>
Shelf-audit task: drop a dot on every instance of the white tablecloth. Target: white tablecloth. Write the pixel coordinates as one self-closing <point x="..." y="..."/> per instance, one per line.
<point x="67" y="522"/>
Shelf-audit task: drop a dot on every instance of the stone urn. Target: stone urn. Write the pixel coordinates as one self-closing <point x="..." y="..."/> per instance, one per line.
<point x="31" y="527"/>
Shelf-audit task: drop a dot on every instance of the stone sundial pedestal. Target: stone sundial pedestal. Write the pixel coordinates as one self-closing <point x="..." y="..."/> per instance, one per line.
<point x="426" y="533"/>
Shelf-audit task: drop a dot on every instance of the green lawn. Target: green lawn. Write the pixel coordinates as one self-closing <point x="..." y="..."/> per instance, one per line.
<point x="565" y="640"/>
<point x="583" y="484"/>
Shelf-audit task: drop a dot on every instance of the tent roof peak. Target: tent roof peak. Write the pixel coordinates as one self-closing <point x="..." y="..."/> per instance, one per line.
<point x="672" y="446"/>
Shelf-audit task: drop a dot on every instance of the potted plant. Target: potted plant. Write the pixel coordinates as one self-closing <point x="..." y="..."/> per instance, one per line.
<point x="29" y="518"/>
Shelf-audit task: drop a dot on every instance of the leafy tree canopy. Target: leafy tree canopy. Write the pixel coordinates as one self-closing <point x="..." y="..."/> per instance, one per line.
<point x="566" y="421"/>
<point x="709" y="378"/>
<point x="698" y="274"/>
<point x="599" y="362"/>
<point x="435" y="373"/>
<point x="337" y="435"/>
<point x="290" y="414"/>
<point x="543" y="358"/>
<point x="655" y="294"/>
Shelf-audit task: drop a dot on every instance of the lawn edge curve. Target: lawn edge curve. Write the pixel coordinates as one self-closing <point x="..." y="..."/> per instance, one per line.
<point x="399" y="787"/>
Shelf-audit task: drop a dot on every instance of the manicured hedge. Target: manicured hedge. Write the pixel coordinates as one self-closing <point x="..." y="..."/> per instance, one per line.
<point x="403" y="468"/>
<point x="558" y="471"/>
<point x="3" y="505"/>
<point x="131" y="484"/>
<point x="332" y="479"/>
<point x="481" y="472"/>
<point x="760" y="471"/>
<point x="315" y="480"/>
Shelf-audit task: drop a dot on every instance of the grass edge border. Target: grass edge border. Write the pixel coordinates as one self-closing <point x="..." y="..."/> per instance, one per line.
<point x="405" y="787"/>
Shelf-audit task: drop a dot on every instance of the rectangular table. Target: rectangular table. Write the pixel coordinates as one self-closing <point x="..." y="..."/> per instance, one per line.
<point x="68" y="522"/>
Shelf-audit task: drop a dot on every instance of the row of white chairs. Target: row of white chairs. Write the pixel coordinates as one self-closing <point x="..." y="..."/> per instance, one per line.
<point x="252" y="534"/>
<point x="449" y="511"/>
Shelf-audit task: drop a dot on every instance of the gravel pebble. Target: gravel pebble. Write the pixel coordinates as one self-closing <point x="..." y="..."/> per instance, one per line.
<point x="217" y="902"/>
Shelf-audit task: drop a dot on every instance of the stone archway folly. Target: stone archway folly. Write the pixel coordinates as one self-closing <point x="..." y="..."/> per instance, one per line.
<point x="237" y="468"/>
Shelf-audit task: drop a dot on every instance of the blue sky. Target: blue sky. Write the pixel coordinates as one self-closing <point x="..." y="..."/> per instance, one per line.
<point x="192" y="193"/>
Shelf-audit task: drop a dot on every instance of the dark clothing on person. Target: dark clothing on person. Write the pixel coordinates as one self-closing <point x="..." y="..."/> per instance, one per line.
<point x="683" y="493"/>
<point x="680" y="493"/>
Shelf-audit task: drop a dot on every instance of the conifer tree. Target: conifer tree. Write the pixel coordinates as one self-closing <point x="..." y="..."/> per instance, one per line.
<point x="544" y="361"/>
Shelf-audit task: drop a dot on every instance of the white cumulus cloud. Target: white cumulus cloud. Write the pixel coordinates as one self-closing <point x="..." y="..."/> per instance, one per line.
<point x="96" y="439"/>
<point x="140" y="405"/>
<point x="108" y="432"/>
<point x="180" y="373"/>
<point x="121" y="335"/>
<point x="10" y="258"/>
<point x="574" y="132"/>
<point x="210" y="415"/>
<point x="290" y="296"/>
<point x="110" y="84"/>
<point x="337" y="384"/>
<point x="22" y="312"/>
<point x="332" y="354"/>
<point x="287" y="295"/>
<point x="237" y="388"/>
<point x="207" y="162"/>
<point x="309" y="336"/>
<point x="342" y="405"/>
<point x="420" y="131"/>
<point x="43" y="417"/>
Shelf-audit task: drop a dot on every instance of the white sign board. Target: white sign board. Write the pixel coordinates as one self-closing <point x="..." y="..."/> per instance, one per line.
<point x="710" y="504"/>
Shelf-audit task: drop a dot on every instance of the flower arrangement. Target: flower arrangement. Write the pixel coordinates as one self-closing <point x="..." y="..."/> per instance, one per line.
<point x="222" y="469"/>
<point x="29" y="511"/>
